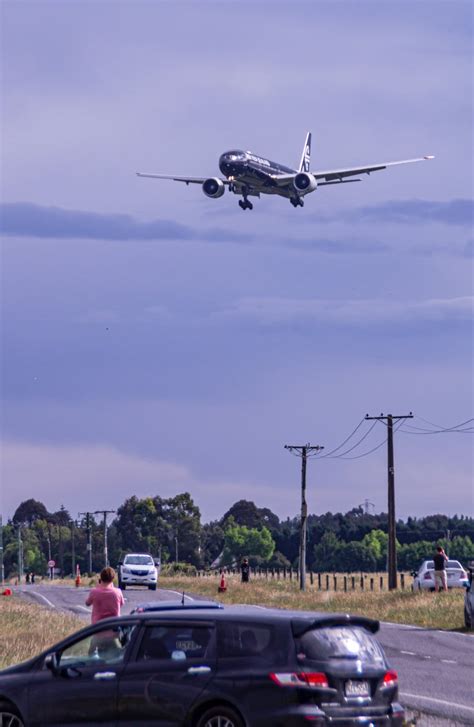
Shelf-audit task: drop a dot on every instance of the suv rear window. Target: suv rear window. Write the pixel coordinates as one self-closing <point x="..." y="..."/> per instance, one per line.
<point x="340" y="642"/>
<point x="244" y="640"/>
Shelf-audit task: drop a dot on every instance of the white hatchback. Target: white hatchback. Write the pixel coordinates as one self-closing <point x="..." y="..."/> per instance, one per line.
<point x="424" y="578"/>
<point x="138" y="569"/>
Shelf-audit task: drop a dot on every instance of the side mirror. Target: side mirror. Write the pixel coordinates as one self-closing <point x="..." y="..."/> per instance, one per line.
<point x="157" y="563"/>
<point x="121" y="563"/>
<point x="414" y="573"/>
<point x="51" y="662"/>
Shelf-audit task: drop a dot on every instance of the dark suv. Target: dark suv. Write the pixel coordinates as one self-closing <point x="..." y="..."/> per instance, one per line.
<point x="225" y="667"/>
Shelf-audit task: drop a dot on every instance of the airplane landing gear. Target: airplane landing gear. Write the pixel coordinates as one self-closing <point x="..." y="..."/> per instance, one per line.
<point x="245" y="204"/>
<point x="297" y="201"/>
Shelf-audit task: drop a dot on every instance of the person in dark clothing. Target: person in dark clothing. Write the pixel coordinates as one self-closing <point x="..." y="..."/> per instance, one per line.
<point x="245" y="570"/>
<point x="440" y="559"/>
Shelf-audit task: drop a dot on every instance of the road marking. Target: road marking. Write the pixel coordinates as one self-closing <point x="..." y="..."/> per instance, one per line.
<point x="40" y="595"/>
<point x="427" y="657"/>
<point x="410" y="653"/>
<point x="437" y="701"/>
<point x="83" y="608"/>
<point x="448" y="661"/>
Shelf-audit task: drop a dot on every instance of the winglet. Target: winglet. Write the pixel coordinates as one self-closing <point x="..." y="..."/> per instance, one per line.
<point x="430" y="156"/>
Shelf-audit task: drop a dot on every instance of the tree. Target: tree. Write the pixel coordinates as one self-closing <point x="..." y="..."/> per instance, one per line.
<point x="240" y="541"/>
<point x="29" y="511"/>
<point x="326" y="553"/>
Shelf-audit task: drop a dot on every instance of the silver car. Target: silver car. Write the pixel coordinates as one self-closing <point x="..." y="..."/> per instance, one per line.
<point x="424" y="578"/>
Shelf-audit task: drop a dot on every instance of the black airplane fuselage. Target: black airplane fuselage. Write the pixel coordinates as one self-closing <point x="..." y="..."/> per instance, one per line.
<point x="253" y="171"/>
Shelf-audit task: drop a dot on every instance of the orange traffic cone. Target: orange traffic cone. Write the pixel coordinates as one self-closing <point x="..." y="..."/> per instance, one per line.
<point x="222" y="585"/>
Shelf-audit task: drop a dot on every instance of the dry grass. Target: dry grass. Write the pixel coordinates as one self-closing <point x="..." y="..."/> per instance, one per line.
<point x="27" y="629"/>
<point x="431" y="610"/>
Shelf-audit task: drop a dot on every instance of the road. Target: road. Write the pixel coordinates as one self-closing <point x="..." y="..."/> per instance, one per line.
<point x="436" y="668"/>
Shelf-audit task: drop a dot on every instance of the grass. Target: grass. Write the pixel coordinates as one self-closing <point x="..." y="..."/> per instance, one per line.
<point x="430" y="610"/>
<point x="28" y="629"/>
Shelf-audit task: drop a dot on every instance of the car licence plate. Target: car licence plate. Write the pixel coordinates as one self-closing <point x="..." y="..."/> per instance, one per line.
<point x="357" y="688"/>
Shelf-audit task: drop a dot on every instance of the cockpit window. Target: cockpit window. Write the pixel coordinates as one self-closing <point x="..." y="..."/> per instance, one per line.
<point x="235" y="155"/>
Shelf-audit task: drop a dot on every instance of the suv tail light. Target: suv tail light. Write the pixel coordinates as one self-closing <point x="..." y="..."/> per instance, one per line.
<point x="427" y="576"/>
<point x="390" y="678"/>
<point x="301" y="679"/>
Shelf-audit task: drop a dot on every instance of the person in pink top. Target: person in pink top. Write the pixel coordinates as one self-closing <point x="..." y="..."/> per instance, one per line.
<point x="105" y="599"/>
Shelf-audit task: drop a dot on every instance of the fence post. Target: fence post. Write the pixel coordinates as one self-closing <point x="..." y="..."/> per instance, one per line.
<point x="362" y="583"/>
<point x="371" y="584"/>
<point x="381" y="583"/>
<point x="353" y="582"/>
<point x="291" y="573"/>
<point x="402" y="581"/>
<point x="319" y="581"/>
<point x="311" y="577"/>
<point x="335" y="582"/>
<point x="345" y="583"/>
<point x="327" y="583"/>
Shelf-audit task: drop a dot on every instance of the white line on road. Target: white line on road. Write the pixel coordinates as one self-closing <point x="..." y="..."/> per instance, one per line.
<point x="437" y="701"/>
<point x="448" y="661"/>
<point x="40" y="595"/>
<point x="410" y="653"/>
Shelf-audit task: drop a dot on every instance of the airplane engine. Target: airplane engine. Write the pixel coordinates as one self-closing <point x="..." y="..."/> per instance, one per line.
<point x="304" y="182"/>
<point x="213" y="187"/>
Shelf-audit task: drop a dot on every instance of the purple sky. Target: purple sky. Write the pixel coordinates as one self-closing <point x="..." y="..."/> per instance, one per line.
<point x="156" y="341"/>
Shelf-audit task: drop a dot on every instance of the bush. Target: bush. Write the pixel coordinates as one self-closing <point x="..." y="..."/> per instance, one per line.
<point x="178" y="569"/>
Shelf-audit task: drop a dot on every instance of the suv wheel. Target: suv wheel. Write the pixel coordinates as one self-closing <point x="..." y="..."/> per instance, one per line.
<point x="122" y="586"/>
<point x="9" y="716"/>
<point x="220" y="717"/>
<point x="152" y="587"/>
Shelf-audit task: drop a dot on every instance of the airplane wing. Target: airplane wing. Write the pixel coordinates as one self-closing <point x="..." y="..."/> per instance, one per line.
<point x="186" y="180"/>
<point x="337" y="176"/>
<point x="340" y="174"/>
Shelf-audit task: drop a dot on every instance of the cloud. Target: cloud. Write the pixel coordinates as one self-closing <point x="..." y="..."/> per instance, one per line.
<point x="25" y="219"/>
<point x="271" y="311"/>
<point x="456" y="212"/>
<point x="101" y="476"/>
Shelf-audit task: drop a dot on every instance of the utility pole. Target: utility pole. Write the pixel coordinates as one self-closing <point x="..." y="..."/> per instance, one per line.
<point x="392" y="534"/>
<point x="73" y="547"/>
<point x="106" y="550"/>
<point x="89" y="539"/>
<point x="20" y="556"/>
<point x="2" y="567"/>
<point x="303" y="451"/>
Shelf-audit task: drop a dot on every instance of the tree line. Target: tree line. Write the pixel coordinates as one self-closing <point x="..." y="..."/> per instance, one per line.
<point x="171" y="530"/>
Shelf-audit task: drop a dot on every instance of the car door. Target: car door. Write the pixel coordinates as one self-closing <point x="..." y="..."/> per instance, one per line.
<point x="171" y="667"/>
<point x="81" y="688"/>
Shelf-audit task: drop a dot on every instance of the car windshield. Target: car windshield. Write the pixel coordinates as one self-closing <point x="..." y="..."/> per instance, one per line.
<point x="138" y="560"/>
<point x="454" y="564"/>
<point x="341" y="642"/>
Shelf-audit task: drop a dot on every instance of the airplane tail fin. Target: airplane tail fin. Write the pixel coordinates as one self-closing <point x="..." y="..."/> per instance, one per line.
<point x="306" y="155"/>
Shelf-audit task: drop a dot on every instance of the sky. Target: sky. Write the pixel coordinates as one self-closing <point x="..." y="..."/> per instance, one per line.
<point x="155" y="341"/>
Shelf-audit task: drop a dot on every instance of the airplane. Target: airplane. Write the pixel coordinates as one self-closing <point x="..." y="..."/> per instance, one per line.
<point x="250" y="175"/>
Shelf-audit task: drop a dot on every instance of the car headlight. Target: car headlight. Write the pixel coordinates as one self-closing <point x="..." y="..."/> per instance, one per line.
<point x="125" y="570"/>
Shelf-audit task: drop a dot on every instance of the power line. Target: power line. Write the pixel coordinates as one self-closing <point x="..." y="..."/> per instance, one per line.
<point x="328" y="454"/>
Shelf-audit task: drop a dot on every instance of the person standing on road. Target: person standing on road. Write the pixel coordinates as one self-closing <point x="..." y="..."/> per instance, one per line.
<point x="105" y="599"/>
<point x="440" y="559"/>
<point x="245" y="570"/>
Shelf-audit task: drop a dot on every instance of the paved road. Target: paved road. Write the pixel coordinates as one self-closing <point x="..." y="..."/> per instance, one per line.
<point x="436" y="668"/>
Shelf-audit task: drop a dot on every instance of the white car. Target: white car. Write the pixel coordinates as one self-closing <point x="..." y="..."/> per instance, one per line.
<point x="138" y="569"/>
<point x="424" y="578"/>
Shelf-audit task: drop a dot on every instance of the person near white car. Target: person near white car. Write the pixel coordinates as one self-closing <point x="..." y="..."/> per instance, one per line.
<point x="440" y="559"/>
